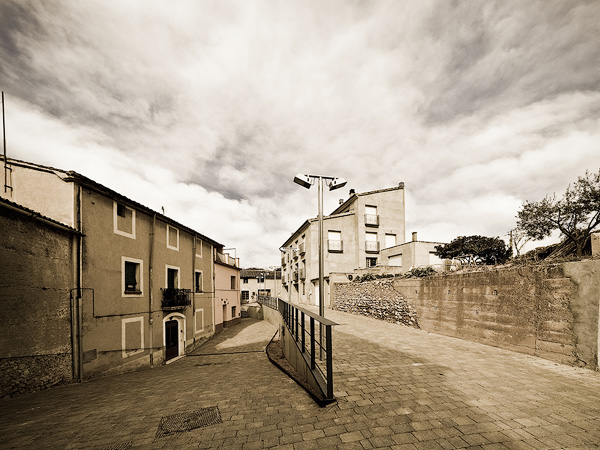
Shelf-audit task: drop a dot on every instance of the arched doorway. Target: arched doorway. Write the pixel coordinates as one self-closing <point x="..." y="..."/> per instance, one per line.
<point x="174" y="335"/>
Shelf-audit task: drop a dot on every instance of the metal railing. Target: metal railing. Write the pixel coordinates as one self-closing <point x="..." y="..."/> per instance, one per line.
<point x="176" y="298"/>
<point x="271" y="302"/>
<point x="302" y="274"/>
<point x="372" y="246"/>
<point x="372" y="220"/>
<point x="301" y="248"/>
<point x="305" y="328"/>
<point x="334" y="245"/>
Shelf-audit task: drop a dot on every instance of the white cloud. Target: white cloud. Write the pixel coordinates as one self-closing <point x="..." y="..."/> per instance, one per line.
<point x="210" y="108"/>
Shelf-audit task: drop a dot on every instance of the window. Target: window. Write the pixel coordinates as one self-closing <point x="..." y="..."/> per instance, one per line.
<point x="172" y="237"/>
<point x="233" y="282"/>
<point x="233" y="312"/>
<point x="334" y="241"/>
<point x="371" y="243"/>
<point x="395" y="260"/>
<point x="131" y="277"/>
<point x="123" y="220"/>
<point x="371" y="217"/>
<point x="245" y="296"/>
<point x="245" y="280"/>
<point x="371" y="262"/>
<point x="198" y="285"/>
<point x="390" y="240"/>
<point x="172" y="277"/>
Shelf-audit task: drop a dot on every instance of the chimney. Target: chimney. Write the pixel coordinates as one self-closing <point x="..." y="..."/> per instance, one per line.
<point x="352" y="191"/>
<point x="401" y="185"/>
<point x="414" y="236"/>
<point x="341" y="201"/>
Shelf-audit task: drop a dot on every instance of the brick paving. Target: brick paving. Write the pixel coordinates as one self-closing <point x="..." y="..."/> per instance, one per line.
<point x="397" y="388"/>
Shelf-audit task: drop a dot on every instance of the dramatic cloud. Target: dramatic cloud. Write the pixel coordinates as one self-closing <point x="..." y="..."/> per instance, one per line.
<point x="208" y="109"/>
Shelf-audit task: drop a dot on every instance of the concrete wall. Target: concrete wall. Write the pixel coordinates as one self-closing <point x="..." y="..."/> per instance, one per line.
<point x="545" y="310"/>
<point x="36" y="275"/>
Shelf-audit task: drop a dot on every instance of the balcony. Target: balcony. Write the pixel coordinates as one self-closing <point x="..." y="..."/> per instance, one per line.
<point x="303" y="274"/>
<point x="372" y="220"/>
<point x="301" y="249"/>
<point x="372" y="246"/>
<point x="227" y="259"/>
<point x="334" y="246"/>
<point x="295" y="276"/>
<point x="176" y="298"/>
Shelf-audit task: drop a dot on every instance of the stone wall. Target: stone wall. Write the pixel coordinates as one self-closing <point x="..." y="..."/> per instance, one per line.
<point x="544" y="310"/>
<point x="378" y="299"/>
<point x="35" y="279"/>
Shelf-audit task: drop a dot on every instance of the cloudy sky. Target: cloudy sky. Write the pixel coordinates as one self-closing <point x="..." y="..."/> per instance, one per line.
<point x="209" y="109"/>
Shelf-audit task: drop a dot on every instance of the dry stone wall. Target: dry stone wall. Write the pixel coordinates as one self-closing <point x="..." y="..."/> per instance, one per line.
<point x="544" y="310"/>
<point x="378" y="299"/>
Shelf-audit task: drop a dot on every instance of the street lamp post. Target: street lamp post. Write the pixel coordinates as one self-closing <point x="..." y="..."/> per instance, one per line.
<point x="334" y="183"/>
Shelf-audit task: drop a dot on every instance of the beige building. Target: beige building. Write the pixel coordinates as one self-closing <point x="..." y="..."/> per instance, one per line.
<point x="257" y="282"/>
<point x="355" y="233"/>
<point x="412" y="254"/>
<point x="228" y="310"/>
<point x="143" y="285"/>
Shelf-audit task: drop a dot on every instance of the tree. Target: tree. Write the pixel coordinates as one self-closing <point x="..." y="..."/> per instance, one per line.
<point x="576" y="214"/>
<point x="475" y="250"/>
<point x="518" y="239"/>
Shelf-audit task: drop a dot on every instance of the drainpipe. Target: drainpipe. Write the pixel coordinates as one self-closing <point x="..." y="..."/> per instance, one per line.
<point x="79" y="284"/>
<point x="212" y="277"/>
<point x="150" y="290"/>
<point x="194" y="287"/>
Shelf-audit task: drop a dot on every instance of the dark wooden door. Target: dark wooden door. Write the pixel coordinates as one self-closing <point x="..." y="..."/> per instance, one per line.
<point x="171" y="339"/>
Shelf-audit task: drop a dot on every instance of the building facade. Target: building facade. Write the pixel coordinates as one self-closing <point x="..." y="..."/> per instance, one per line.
<point x="411" y="255"/>
<point x="255" y="282"/>
<point x="228" y="311"/>
<point x="36" y="275"/>
<point x="143" y="284"/>
<point x="354" y="235"/>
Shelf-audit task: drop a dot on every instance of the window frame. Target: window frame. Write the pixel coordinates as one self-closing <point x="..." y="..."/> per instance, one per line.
<point x="196" y="291"/>
<point x="167" y="267"/>
<point x="168" y="240"/>
<point x="116" y="220"/>
<point x="140" y="263"/>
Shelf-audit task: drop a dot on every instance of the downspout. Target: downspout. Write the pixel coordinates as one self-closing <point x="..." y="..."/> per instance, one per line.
<point x="79" y="284"/>
<point x="194" y="287"/>
<point x="150" y="291"/>
<point x="212" y="277"/>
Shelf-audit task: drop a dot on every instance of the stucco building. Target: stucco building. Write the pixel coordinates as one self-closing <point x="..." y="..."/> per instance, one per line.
<point x="142" y="284"/>
<point x="257" y="282"/>
<point x="354" y="235"/>
<point x="228" y="309"/>
<point x="412" y="254"/>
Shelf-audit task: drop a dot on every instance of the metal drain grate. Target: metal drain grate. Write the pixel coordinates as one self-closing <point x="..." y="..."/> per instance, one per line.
<point x="121" y="446"/>
<point x="178" y="423"/>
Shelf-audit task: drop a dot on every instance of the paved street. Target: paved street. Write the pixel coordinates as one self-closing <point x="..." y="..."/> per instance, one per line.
<point x="397" y="388"/>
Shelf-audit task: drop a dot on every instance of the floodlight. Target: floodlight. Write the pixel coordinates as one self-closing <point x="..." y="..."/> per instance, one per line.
<point x="303" y="180"/>
<point x="337" y="183"/>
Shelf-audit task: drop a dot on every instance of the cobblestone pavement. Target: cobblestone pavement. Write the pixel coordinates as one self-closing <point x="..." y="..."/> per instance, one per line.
<point x="397" y="388"/>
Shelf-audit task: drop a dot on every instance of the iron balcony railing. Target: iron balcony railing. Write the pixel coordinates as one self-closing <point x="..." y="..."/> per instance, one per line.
<point x="372" y="220"/>
<point x="334" y="246"/>
<point x="372" y="246"/>
<point x="313" y="336"/>
<point x="295" y="275"/>
<point x="176" y="298"/>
